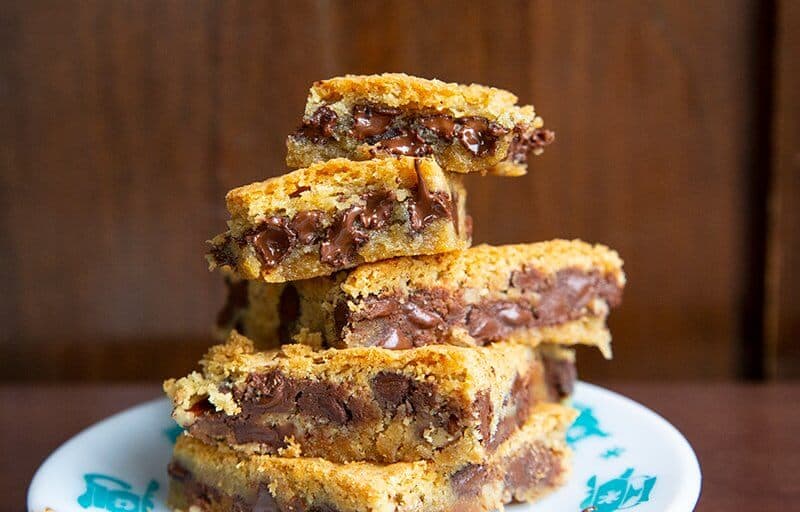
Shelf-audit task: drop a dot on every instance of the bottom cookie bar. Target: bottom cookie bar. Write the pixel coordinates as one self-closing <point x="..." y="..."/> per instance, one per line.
<point x="530" y="464"/>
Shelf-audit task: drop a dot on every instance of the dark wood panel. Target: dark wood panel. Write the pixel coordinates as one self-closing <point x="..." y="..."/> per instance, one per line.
<point x="125" y="122"/>
<point x="783" y="299"/>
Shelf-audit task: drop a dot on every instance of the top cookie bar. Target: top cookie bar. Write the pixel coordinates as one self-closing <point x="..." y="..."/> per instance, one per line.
<point x="339" y="214"/>
<point x="466" y="128"/>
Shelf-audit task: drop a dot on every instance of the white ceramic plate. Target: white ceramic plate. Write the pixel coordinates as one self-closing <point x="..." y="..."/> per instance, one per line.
<point x="626" y="457"/>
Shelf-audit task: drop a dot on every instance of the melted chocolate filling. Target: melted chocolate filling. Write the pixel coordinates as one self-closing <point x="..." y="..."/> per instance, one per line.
<point x="350" y="229"/>
<point x="393" y="395"/>
<point x="424" y="317"/>
<point x="413" y="133"/>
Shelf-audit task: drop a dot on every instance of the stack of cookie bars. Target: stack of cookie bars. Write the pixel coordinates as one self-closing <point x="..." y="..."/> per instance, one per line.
<point x="374" y="361"/>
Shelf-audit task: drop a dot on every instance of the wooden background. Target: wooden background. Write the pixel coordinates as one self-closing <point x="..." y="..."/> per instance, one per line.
<point x="124" y="123"/>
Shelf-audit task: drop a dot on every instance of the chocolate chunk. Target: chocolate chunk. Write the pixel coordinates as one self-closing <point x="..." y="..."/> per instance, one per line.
<point x="223" y="254"/>
<point x="177" y="472"/>
<point x="320" y="507"/>
<point x="570" y="292"/>
<point x="521" y="401"/>
<point x="406" y="143"/>
<point x="341" y="315"/>
<point x="343" y="239"/>
<point x="442" y="125"/>
<point x="272" y="241"/>
<point x="265" y="502"/>
<point x="269" y="392"/>
<point x="537" y="466"/>
<point x="390" y="389"/>
<point x="306" y="226"/>
<point x="529" y="279"/>
<point x="386" y="336"/>
<point x="478" y="135"/>
<point x="318" y="127"/>
<point x="491" y="322"/>
<point x="469" y="480"/>
<point x="236" y="302"/>
<point x="323" y="401"/>
<point x="378" y="209"/>
<point x="274" y="436"/>
<point x="426" y="205"/>
<point x="525" y="141"/>
<point x="485" y="412"/>
<point x="396" y="392"/>
<point x="299" y="191"/>
<point x="288" y="312"/>
<point x="560" y="375"/>
<point x="420" y="317"/>
<point x="370" y="120"/>
<point x="202" y="406"/>
<point x="200" y="494"/>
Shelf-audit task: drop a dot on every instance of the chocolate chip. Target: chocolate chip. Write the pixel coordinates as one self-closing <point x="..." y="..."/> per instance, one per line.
<point x="390" y="389"/>
<point x="269" y="392"/>
<point x="469" y="480"/>
<point x="177" y="472"/>
<point x="323" y="401"/>
<point x="422" y="318"/>
<point x="202" y="406"/>
<point x="265" y="502"/>
<point x="536" y="466"/>
<point x="272" y="241"/>
<point x="442" y="125"/>
<point x="223" y="254"/>
<point x="319" y="126"/>
<point x="405" y="143"/>
<point x="299" y="191"/>
<point x="426" y="206"/>
<point x="378" y="209"/>
<point x="371" y="121"/>
<point x="341" y="315"/>
<point x="560" y="375"/>
<point x="343" y="239"/>
<point x="274" y="436"/>
<point x="478" y="135"/>
<point x="526" y="140"/>
<point x="307" y="226"/>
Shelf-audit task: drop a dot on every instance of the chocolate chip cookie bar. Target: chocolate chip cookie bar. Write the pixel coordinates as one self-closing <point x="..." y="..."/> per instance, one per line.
<point x="466" y="128"/>
<point x="555" y="292"/>
<point x="338" y="214"/>
<point x="439" y="402"/>
<point x="527" y="466"/>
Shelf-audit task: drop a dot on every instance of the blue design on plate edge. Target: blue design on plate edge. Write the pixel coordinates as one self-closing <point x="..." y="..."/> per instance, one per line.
<point x="117" y="498"/>
<point x="618" y="493"/>
<point x="585" y="425"/>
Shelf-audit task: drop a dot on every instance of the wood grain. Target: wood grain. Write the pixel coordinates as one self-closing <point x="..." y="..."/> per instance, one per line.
<point x="783" y="292"/>
<point x="124" y="123"/>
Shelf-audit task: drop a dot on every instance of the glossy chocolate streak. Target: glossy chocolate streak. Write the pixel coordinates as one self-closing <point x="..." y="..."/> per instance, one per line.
<point x="413" y="132"/>
<point x="350" y="229"/>
<point x="424" y="317"/>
